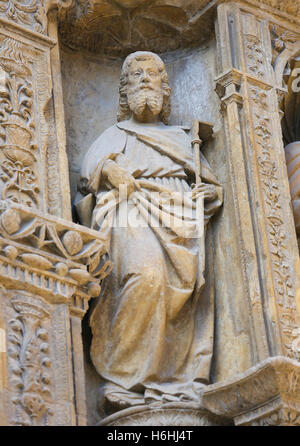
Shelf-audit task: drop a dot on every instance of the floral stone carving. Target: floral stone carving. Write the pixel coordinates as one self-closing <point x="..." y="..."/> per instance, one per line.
<point x="66" y="254"/>
<point x="29" y="361"/>
<point x="17" y="127"/>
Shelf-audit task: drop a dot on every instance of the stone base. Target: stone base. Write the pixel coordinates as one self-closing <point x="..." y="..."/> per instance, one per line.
<point x="173" y="414"/>
<point x="267" y="394"/>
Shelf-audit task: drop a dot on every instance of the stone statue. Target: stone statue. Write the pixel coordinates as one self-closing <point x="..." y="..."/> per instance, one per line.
<point x="152" y="336"/>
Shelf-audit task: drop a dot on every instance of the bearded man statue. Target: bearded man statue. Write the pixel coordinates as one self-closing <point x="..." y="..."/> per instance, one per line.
<point x="152" y="336"/>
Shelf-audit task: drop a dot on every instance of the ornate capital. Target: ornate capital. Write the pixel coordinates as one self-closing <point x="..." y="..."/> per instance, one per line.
<point x="58" y="4"/>
<point x="54" y="258"/>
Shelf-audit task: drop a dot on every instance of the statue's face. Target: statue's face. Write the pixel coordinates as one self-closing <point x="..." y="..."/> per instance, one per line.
<point x="144" y="74"/>
<point x="144" y="87"/>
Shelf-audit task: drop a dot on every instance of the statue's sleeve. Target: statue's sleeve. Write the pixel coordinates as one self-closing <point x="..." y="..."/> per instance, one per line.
<point x="207" y="176"/>
<point x="109" y="145"/>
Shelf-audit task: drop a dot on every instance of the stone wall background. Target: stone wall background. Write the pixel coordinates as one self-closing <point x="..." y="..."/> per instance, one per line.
<point x="91" y="83"/>
<point x="90" y="86"/>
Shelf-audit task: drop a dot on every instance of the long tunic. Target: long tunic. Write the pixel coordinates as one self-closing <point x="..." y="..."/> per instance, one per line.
<point x="152" y="336"/>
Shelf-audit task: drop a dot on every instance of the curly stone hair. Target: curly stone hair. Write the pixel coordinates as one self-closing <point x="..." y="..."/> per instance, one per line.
<point x="124" y="111"/>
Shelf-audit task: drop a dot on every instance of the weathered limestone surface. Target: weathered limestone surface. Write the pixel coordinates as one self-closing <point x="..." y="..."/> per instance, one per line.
<point x="50" y="267"/>
<point x="54" y="101"/>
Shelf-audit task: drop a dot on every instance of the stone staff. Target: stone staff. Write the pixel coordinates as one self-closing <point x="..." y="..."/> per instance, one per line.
<point x="200" y="132"/>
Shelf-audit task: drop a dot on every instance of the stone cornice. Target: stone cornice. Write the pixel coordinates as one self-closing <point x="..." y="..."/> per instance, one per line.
<point x="268" y="387"/>
<point x="50" y="254"/>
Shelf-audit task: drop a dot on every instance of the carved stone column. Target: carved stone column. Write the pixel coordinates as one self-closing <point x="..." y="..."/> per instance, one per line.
<point x="248" y="88"/>
<point x="49" y="267"/>
<point x="249" y="96"/>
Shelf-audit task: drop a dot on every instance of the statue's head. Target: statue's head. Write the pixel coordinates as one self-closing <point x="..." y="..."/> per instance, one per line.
<point x="144" y="83"/>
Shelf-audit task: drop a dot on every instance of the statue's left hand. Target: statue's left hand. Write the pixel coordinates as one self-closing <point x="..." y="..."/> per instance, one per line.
<point x="208" y="190"/>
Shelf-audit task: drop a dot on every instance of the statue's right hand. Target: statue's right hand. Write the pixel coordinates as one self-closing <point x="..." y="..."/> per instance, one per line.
<point x="118" y="176"/>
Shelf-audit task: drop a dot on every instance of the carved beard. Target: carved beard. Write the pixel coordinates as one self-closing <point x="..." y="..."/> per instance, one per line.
<point x="139" y="99"/>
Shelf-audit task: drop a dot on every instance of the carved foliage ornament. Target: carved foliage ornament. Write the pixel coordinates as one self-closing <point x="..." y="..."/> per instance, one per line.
<point x="254" y="55"/>
<point x="29" y="361"/>
<point x="270" y="184"/>
<point x="31" y="13"/>
<point x="281" y="40"/>
<point x="17" y="129"/>
<point x="276" y="232"/>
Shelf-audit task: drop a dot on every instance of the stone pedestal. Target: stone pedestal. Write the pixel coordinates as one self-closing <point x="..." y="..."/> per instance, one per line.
<point x="172" y="414"/>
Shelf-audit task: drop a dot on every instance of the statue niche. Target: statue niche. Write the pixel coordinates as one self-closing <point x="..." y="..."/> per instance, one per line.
<point x="152" y="336"/>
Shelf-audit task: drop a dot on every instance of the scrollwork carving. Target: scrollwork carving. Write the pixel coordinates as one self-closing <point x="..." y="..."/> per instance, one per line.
<point x="30" y="13"/>
<point x="281" y="39"/>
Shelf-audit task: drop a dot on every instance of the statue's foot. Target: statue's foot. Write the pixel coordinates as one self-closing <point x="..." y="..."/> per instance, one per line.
<point x="118" y="400"/>
<point x="121" y="398"/>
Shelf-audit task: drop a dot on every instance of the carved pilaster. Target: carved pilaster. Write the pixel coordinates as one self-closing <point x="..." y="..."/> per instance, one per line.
<point x="50" y="269"/>
<point x="259" y="177"/>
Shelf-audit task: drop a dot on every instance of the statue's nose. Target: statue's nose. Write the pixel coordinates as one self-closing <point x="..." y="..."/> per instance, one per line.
<point x="145" y="77"/>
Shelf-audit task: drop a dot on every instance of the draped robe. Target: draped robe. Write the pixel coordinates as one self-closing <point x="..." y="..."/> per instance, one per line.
<point x="152" y="336"/>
